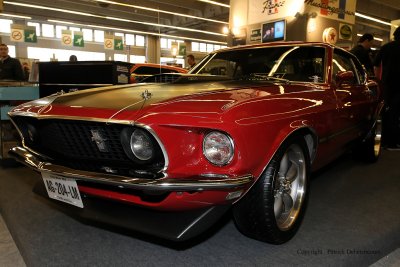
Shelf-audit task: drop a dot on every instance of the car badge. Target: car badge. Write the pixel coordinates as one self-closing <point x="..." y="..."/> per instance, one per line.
<point x="99" y="140"/>
<point x="146" y="95"/>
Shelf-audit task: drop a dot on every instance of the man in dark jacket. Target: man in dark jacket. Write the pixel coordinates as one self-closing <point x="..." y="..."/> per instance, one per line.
<point x="10" y="68"/>
<point x="362" y="50"/>
<point x="387" y="69"/>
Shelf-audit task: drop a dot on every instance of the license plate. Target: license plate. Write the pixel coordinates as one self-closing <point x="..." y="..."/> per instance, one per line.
<point x="62" y="188"/>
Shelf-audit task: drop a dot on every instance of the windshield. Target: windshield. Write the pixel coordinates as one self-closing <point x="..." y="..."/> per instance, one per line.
<point x="288" y="63"/>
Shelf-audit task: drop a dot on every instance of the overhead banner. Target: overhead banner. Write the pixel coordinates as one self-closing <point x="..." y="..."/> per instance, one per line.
<point x="66" y="37"/>
<point x="265" y="10"/>
<point x="17" y="33"/>
<point x="342" y="10"/>
<point x="78" y="39"/>
<point x="108" y="41"/>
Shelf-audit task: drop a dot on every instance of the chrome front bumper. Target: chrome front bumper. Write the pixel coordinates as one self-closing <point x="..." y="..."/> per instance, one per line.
<point x="198" y="183"/>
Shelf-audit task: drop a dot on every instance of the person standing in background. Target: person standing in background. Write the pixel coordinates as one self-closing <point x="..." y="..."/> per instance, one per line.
<point x="191" y="62"/>
<point x="10" y="68"/>
<point x="362" y="51"/>
<point x="387" y="69"/>
<point x="73" y="58"/>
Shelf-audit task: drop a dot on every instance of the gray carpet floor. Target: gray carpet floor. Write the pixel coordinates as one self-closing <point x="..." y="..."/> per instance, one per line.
<point x="353" y="219"/>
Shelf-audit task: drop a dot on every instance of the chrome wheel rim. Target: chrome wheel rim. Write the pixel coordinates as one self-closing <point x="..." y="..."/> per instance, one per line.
<point x="289" y="187"/>
<point x="378" y="137"/>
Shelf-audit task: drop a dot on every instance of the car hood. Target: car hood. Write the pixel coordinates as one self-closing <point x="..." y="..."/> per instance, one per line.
<point x="128" y="102"/>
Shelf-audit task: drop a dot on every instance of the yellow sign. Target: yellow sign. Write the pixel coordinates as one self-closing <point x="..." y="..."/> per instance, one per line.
<point x="66" y="37"/>
<point x="17" y="33"/>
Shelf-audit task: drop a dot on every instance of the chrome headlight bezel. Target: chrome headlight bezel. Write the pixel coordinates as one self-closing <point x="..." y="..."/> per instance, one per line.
<point x="225" y="142"/>
<point x="127" y="140"/>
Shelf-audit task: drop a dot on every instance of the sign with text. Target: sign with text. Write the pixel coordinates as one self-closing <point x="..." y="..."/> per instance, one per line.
<point x="255" y="35"/>
<point x="343" y="10"/>
<point x="264" y="10"/>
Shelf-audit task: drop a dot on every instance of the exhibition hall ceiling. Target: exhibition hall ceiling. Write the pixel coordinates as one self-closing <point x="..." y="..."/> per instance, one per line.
<point x="191" y="19"/>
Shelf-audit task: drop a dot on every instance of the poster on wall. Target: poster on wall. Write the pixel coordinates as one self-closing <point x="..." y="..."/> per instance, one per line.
<point x="255" y="35"/>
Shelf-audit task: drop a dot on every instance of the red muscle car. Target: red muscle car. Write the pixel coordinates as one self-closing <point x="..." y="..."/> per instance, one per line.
<point x="242" y="132"/>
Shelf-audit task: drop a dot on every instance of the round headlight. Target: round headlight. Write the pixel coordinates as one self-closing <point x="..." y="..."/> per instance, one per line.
<point x="218" y="148"/>
<point x="141" y="145"/>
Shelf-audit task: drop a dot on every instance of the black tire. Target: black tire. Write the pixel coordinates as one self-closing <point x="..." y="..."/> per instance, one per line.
<point x="258" y="214"/>
<point x="370" y="149"/>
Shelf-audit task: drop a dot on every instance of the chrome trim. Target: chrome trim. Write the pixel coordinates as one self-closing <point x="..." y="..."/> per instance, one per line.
<point x="230" y="140"/>
<point x="163" y="184"/>
<point x="107" y="121"/>
<point x="76" y="118"/>
<point x="163" y="150"/>
<point x="81" y="84"/>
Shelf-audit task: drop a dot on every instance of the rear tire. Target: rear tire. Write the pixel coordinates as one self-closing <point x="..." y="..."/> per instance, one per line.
<point x="274" y="207"/>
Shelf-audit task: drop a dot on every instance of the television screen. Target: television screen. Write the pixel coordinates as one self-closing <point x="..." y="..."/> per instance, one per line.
<point x="273" y="31"/>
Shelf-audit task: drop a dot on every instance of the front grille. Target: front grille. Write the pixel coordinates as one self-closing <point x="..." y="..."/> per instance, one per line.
<point x="73" y="144"/>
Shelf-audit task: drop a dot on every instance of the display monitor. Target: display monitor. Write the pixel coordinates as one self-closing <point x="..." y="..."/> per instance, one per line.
<point x="273" y="31"/>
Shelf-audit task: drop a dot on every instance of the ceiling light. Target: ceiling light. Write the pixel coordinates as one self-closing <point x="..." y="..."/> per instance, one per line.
<point x="215" y="3"/>
<point x="134" y="31"/>
<point x="111" y="18"/>
<point x="374" y="19"/>
<point x="160" y="11"/>
<point x="14" y="16"/>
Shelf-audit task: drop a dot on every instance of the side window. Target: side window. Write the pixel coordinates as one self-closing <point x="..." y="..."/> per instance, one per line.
<point x="165" y="70"/>
<point x="304" y="64"/>
<point x="361" y="72"/>
<point x="147" y="70"/>
<point x="343" y="62"/>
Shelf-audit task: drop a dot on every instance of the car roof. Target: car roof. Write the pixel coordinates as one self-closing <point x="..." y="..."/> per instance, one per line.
<point x="275" y="44"/>
<point x="152" y="65"/>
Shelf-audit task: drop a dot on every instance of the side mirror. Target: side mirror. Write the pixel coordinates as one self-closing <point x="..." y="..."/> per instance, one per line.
<point x="343" y="77"/>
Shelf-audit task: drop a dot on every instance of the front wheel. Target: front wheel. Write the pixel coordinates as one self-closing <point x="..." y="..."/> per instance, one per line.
<point x="370" y="149"/>
<point x="274" y="207"/>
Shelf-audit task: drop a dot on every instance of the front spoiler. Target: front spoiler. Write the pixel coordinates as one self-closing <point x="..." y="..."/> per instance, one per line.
<point x="176" y="226"/>
<point x="198" y="183"/>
